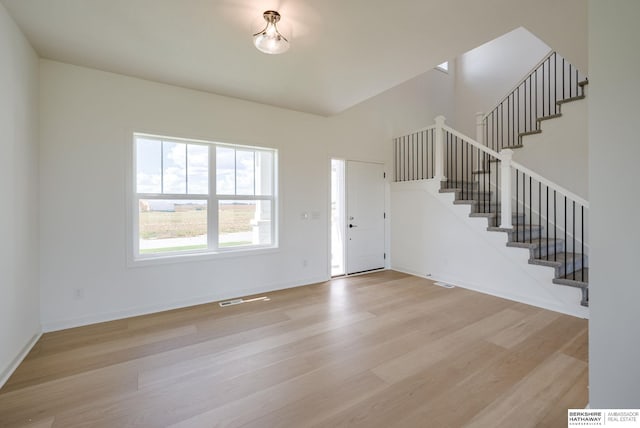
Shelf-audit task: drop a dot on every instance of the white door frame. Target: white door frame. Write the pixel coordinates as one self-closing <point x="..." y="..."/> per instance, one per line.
<point x="344" y="232"/>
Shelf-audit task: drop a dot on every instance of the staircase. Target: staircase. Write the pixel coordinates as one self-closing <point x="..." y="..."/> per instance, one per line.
<point x="543" y="217"/>
<point x="545" y="249"/>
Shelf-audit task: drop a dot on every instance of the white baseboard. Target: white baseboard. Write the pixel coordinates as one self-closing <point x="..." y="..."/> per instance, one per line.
<point x="578" y="312"/>
<point x="48" y="326"/>
<point x="6" y="374"/>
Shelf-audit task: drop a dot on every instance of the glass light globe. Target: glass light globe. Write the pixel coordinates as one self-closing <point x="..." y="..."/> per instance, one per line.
<point x="269" y="40"/>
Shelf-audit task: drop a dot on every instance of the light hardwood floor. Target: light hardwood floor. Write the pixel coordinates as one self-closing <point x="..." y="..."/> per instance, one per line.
<point x="378" y="350"/>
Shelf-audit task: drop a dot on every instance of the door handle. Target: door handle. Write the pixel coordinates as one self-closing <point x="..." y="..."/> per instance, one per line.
<point x="352" y="225"/>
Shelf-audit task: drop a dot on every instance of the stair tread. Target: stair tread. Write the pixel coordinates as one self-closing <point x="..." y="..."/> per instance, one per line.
<point x="468" y="198"/>
<point x="493" y="214"/>
<point x="535" y="243"/>
<point x="459" y="189"/>
<point x="514" y="229"/>
<point x="487" y="203"/>
<point x="489" y="208"/>
<point x="470" y="195"/>
<point x="560" y="259"/>
<point x="581" y="279"/>
<point x="485" y="214"/>
<point x="478" y="192"/>
<point x="551" y="116"/>
<point x="486" y="171"/>
<point x="568" y="100"/>
<point x="533" y="132"/>
<point x="466" y="202"/>
<point x="450" y="183"/>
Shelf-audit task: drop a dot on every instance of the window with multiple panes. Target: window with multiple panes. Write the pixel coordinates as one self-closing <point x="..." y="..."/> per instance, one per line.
<point x="199" y="197"/>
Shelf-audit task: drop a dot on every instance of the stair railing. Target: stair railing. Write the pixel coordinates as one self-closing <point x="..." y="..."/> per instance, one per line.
<point x="452" y="158"/>
<point x="470" y="168"/>
<point x="537" y="97"/>
<point x="531" y="207"/>
<point x="414" y="155"/>
<point x="552" y="217"/>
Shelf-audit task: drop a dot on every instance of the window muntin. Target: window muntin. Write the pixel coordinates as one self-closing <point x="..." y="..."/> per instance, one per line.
<point x="175" y="214"/>
<point x="197" y="169"/>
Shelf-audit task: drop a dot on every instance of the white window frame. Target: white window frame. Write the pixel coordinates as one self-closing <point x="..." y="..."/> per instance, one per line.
<point x="213" y="249"/>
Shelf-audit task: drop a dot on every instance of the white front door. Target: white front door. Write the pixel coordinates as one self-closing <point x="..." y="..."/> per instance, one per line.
<point x="365" y="216"/>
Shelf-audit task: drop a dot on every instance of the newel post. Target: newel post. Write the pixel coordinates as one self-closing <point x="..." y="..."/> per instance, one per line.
<point x="439" y="173"/>
<point x="505" y="204"/>
<point x="480" y="127"/>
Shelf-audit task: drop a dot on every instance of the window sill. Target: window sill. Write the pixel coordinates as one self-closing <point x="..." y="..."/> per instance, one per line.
<point x="134" y="262"/>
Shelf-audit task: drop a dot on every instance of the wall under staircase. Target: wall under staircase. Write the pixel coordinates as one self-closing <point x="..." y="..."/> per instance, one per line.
<point x="433" y="237"/>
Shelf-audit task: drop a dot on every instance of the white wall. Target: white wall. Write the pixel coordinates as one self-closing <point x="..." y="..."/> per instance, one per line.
<point x="368" y="128"/>
<point x="433" y="237"/>
<point x="87" y="121"/>
<point x="614" y="150"/>
<point x="19" y="296"/>
<point x="486" y="74"/>
<point x="88" y="117"/>
<point x="365" y="132"/>
<point x="563" y="26"/>
<point x="562" y="143"/>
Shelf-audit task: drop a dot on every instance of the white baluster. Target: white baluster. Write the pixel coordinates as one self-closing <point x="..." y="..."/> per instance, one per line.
<point x="480" y="139"/>
<point x="480" y="127"/>
<point x="439" y="175"/>
<point x="506" y="156"/>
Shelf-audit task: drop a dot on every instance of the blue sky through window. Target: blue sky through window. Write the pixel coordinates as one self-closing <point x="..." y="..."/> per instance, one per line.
<point x="171" y="167"/>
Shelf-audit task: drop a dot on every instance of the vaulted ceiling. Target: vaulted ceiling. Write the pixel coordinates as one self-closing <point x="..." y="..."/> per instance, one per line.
<point x="342" y="51"/>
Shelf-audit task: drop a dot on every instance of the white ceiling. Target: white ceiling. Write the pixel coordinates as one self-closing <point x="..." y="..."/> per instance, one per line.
<point x="342" y="51"/>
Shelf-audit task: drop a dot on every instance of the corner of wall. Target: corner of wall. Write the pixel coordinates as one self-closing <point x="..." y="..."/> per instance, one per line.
<point x="19" y="184"/>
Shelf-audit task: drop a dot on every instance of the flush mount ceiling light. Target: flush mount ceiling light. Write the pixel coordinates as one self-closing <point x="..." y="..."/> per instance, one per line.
<point x="269" y="40"/>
